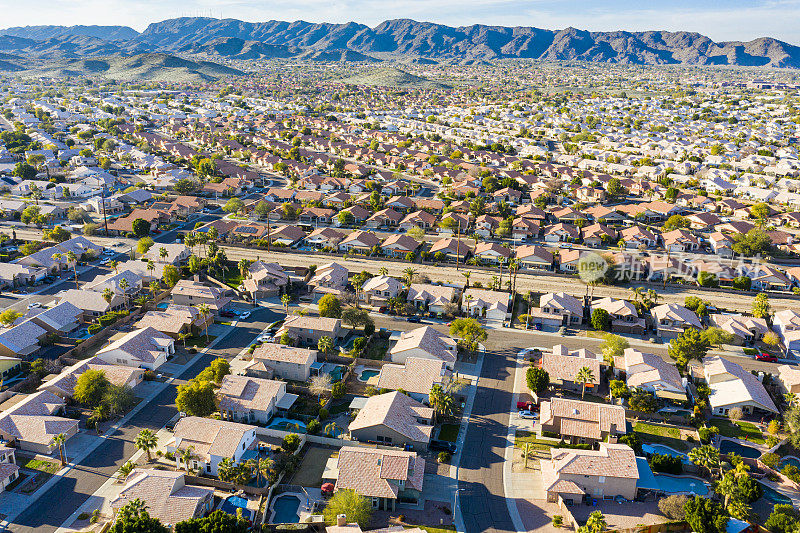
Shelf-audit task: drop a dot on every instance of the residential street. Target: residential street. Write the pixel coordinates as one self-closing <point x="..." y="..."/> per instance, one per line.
<point x="44" y="516"/>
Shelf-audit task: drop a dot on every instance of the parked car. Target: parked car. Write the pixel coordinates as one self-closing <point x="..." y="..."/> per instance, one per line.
<point x="442" y="446"/>
<point x="34" y="305"/>
<point x="413" y="319"/>
<point x="244" y="315"/>
<point x="527" y="406"/>
<point x="529" y="415"/>
<point x="766" y="357"/>
<point x="227" y="314"/>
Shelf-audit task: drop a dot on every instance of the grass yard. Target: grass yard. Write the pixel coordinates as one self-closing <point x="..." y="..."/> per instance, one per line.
<point x="198" y="341"/>
<point x="309" y="474"/>
<point x="48" y="467"/>
<point x="44" y="470"/>
<point x="739" y="430"/>
<point x="233" y="278"/>
<point x="376" y="350"/>
<point x="524" y="437"/>
<point x="660" y="431"/>
<point x="449" y="432"/>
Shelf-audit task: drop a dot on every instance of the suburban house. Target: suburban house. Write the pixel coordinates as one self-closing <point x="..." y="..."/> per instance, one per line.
<point x="672" y="319"/>
<point x="789" y="376"/>
<point x="732" y="386"/>
<point x="308" y="330"/>
<point x="92" y="303"/>
<point x="166" y="494"/>
<point x="393" y="419"/>
<point x="652" y="373"/>
<point x="191" y="292"/>
<point x="252" y="400"/>
<point x="63" y="384"/>
<point x="211" y="441"/>
<point x="9" y="470"/>
<point x="328" y="279"/>
<point x="176" y="320"/>
<point x="531" y="256"/>
<point x="624" y="317"/>
<point x="145" y="348"/>
<point x="786" y="323"/>
<point x="378" y="289"/>
<point x="582" y="422"/>
<point x="557" y="309"/>
<point x="575" y="475"/>
<point x="62" y="318"/>
<point x="33" y="422"/>
<point x="382" y="476"/>
<point x="264" y="280"/>
<point x="280" y="361"/>
<point x="563" y="365"/>
<point x="21" y="339"/>
<point x="745" y="329"/>
<point x="415" y="377"/>
<point x="451" y="249"/>
<point x="492" y="305"/>
<point x="399" y="245"/>
<point x="359" y="241"/>
<point x="431" y="298"/>
<point x="425" y="343"/>
<point x="176" y="253"/>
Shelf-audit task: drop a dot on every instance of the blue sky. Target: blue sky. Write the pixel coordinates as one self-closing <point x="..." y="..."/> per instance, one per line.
<point x="719" y="19"/>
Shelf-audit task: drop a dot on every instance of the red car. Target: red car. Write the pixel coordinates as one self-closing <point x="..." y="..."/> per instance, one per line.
<point x="769" y="358"/>
<point x="527" y="406"/>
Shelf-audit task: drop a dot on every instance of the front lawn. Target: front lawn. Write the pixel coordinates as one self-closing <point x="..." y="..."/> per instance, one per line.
<point x="198" y="341"/>
<point x="449" y="432"/>
<point x="233" y="278"/>
<point x="739" y="430"/>
<point x="43" y="466"/>
<point x="660" y="431"/>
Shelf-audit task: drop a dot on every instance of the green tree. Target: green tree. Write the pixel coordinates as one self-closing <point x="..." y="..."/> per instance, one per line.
<point x="643" y="401"/>
<point x="596" y="523"/>
<point x="705" y="456"/>
<point x="330" y="306"/>
<point x="234" y="205"/>
<point x="706" y="516"/>
<point x="584" y="376"/>
<point x="148" y="441"/>
<point x="707" y="279"/>
<point x="144" y="245"/>
<point x="185" y="186"/>
<point x="538" y="379"/>
<point x="325" y="344"/>
<point x="760" y="211"/>
<point x="601" y="319"/>
<point x="24" y="171"/>
<point x="689" y="345"/>
<point x="783" y="519"/>
<point x="441" y="400"/>
<point x="470" y="332"/>
<point x="676" y="222"/>
<point x="291" y="442"/>
<point x="90" y="387"/>
<point x="171" y="275"/>
<point x="613" y="346"/>
<point x="196" y="398"/>
<point x="217" y="522"/>
<point x="718" y="336"/>
<point x="9" y="316"/>
<point x="754" y="242"/>
<point x="141" y="227"/>
<point x="134" y="518"/>
<point x="761" y="307"/>
<point x="355" y="507"/>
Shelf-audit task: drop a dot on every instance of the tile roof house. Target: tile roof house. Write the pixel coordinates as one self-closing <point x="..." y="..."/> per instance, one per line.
<point x="378" y="289"/>
<point x="624" y="317"/>
<point x="393" y="419"/>
<point x="786" y="323"/>
<point x="563" y="365"/>
<point x="252" y="400"/>
<point x="63" y="384"/>
<point x="609" y="471"/>
<point x="745" y="329"/>
<point x="145" y="348"/>
<point x="176" y="253"/>
<point x="9" y="471"/>
<point x="790" y="378"/>
<point x="533" y="256"/>
<point x="557" y="309"/>
<point x="91" y="302"/>
<point x="425" y="342"/>
<point x="415" y="377"/>
<point x="652" y="373"/>
<point x="431" y="298"/>
<point x="493" y="305"/>
<point x="451" y="248"/>
<point x="21" y="339"/>
<point x="265" y="279"/>
<point x="212" y="440"/>
<point x="33" y="422"/>
<point x="191" y="292"/>
<point x="61" y="318"/>
<point x="175" y="319"/>
<point x="280" y="361"/>
<point x="308" y="330"/>
<point x="672" y="319"/>
<point x="398" y="245"/>
<point x="732" y="386"/>
<point x="582" y="422"/>
<point x="383" y="476"/>
<point x="166" y="494"/>
<point x="328" y="279"/>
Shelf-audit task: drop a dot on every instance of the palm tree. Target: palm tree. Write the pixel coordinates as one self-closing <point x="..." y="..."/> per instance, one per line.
<point x="57" y="257"/>
<point x="146" y="440"/>
<point x="60" y="440"/>
<point x="584" y="376"/>
<point x="163" y="253"/>
<point x="408" y="275"/>
<point x="115" y="266"/>
<point x="441" y="400"/>
<point x="705" y="456"/>
<point x="186" y="456"/>
<point x="108" y="295"/>
<point x="263" y="468"/>
<point x="99" y="414"/>
<point x="791" y="398"/>
<point x="151" y="266"/>
<point x="596" y="523"/>
<point x="383" y="271"/>
<point x="244" y="265"/>
<point x="125" y="470"/>
<point x="204" y="311"/>
<point x="154" y="286"/>
<point x="124" y="284"/>
<point x="728" y="487"/>
<point x="285" y="300"/>
<point x="72" y="258"/>
<point x="468" y="299"/>
<point x="225" y="469"/>
<point x="330" y="429"/>
<point x="467" y="274"/>
<point x="325" y="344"/>
<point x="494" y="282"/>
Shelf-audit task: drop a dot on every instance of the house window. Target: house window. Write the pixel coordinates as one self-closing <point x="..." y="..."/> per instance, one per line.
<point x="601" y="479"/>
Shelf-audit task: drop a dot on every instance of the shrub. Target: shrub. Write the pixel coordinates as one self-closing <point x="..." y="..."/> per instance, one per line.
<point x="770" y="459"/>
<point x="339" y="389"/>
<point x="557" y="520"/>
<point x="291" y="442"/>
<point x="666" y="463"/>
<point x="84" y="516"/>
<point x="772" y="441"/>
<point x="444" y="457"/>
<point x="673" y="507"/>
<point x="94" y="328"/>
<point x="314" y="427"/>
<point x="323" y="413"/>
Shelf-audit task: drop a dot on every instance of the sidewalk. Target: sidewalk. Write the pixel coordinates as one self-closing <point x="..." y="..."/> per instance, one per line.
<point x="12" y="507"/>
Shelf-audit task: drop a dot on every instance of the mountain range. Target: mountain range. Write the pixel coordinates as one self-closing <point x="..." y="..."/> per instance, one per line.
<point x="393" y="39"/>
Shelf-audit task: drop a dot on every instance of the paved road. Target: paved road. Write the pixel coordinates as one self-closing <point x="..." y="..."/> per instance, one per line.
<point x="81" y="482"/>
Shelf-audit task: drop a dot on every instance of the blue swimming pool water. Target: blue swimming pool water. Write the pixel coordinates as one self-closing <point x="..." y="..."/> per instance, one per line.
<point x="665" y="450"/>
<point x="675" y="484"/>
<point x="366" y="374"/>
<point x="285" y="424"/>
<point x="775" y="497"/>
<point x="729" y="446"/>
<point x="162" y="305"/>
<point x="231" y="503"/>
<point x="285" y="509"/>
<point x="794" y="461"/>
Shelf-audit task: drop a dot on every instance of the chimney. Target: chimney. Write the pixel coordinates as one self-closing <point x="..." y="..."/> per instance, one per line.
<point x="341" y="520"/>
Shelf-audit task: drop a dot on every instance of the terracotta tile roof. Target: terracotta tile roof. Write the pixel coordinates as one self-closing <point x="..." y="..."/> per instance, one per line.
<point x="397" y="412"/>
<point x="611" y="460"/>
<point x="243" y="394"/>
<point x="601" y="416"/>
<point x="165" y="493"/>
<point x="377" y="473"/>
<point x="418" y="375"/>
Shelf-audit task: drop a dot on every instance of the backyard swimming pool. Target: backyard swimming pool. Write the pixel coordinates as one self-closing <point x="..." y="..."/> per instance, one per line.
<point x="366" y="374"/>
<point x="791" y="460"/>
<point x="232" y="503"/>
<point x="284" y="509"/>
<point x="665" y="450"/>
<point x="285" y="424"/>
<point x="729" y="446"/>
<point x="162" y="305"/>
<point x="774" y="497"/>
<point x="679" y="484"/>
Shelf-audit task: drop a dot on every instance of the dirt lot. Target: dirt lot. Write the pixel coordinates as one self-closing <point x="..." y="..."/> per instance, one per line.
<point x="312" y="466"/>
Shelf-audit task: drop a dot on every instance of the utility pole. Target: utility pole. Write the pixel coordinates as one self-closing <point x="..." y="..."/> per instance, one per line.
<point x="103" y="200"/>
<point x="458" y="243"/>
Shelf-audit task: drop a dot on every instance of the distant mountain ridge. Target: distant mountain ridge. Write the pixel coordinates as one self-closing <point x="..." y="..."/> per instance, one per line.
<point x="400" y="38"/>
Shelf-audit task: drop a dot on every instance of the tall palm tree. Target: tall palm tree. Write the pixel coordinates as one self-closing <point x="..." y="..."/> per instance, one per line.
<point x="151" y="266"/>
<point x="467" y="274"/>
<point x="263" y="468"/>
<point x="225" y="469"/>
<point x="154" y="287"/>
<point x="383" y="271"/>
<point x="100" y="413"/>
<point x="125" y="470"/>
<point x="596" y="523"/>
<point x="408" y="275"/>
<point x="186" y="456"/>
<point x="57" y="257"/>
<point x="124" y="284"/>
<point x="163" y="253"/>
<point x="108" y="295"/>
<point x="468" y="299"/>
<point x="204" y="311"/>
<point x="60" y="440"/>
<point x="727" y="487"/>
<point x="584" y="376"/>
<point x="244" y="265"/>
<point x="441" y="400"/>
<point x="72" y="258"/>
<point x="148" y="441"/>
<point x="285" y="300"/>
<point x="114" y="265"/>
<point x="325" y="344"/>
<point x="330" y="429"/>
<point x="791" y="398"/>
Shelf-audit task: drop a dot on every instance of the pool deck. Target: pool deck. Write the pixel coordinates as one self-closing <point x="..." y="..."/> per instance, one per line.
<point x="304" y="510"/>
<point x="785" y="489"/>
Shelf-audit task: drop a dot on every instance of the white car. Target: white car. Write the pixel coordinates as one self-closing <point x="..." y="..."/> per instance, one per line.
<point x="244" y="315"/>
<point x="108" y="251"/>
<point x="34" y="305"/>
<point x="529" y="415"/>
